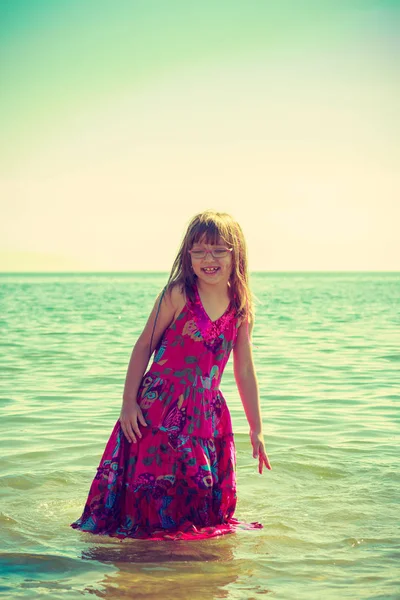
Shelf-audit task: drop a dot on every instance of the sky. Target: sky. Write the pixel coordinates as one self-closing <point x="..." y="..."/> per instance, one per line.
<point x="121" y="121"/>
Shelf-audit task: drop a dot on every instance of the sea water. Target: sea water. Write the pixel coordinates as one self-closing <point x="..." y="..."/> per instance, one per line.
<point x="327" y="355"/>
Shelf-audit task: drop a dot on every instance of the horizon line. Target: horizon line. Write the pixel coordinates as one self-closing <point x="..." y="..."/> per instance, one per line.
<point x="167" y="272"/>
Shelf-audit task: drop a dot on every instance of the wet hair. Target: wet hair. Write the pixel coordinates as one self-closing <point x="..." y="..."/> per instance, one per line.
<point x="210" y="227"/>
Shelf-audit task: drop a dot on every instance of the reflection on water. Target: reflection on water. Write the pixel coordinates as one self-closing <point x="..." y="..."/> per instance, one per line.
<point x="149" y="551"/>
<point x="179" y="569"/>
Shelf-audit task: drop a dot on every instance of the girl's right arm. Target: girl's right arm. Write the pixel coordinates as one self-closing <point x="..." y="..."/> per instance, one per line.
<point x="131" y="412"/>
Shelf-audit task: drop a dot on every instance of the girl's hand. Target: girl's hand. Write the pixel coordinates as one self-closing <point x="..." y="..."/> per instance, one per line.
<point x="131" y="415"/>
<point x="257" y="441"/>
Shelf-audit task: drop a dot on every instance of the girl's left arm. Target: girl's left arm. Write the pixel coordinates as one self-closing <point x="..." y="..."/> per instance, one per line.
<point x="246" y="380"/>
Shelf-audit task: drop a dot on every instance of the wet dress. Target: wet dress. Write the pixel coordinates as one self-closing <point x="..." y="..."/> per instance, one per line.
<point x="179" y="480"/>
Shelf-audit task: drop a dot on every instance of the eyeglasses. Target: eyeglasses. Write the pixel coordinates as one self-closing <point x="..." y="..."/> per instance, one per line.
<point x="215" y="253"/>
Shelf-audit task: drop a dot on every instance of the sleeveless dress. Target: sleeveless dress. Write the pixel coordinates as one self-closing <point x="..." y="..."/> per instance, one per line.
<point x="179" y="480"/>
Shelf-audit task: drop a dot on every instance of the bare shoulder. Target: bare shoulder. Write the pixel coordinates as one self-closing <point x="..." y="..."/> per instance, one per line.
<point x="176" y="297"/>
<point x="246" y="321"/>
<point x="242" y="349"/>
<point x="245" y="330"/>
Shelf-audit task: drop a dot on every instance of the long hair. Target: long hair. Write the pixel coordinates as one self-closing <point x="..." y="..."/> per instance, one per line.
<point x="210" y="226"/>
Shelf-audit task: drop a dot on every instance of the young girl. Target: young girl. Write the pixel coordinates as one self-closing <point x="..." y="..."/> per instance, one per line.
<point x="169" y="467"/>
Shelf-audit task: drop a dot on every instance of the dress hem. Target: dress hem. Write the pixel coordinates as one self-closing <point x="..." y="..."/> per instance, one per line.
<point x="192" y="533"/>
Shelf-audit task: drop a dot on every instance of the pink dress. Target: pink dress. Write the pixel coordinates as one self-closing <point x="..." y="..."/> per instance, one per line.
<point x="179" y="480"/>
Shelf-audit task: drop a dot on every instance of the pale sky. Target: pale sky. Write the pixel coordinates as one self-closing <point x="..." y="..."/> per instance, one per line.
<point x="120" y="121"/>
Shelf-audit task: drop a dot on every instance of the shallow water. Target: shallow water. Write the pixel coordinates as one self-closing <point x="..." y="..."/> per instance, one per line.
<point x="327" y="352"/>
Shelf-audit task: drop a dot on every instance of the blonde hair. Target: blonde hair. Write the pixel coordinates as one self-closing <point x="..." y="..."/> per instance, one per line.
<point x="210" y="226"/>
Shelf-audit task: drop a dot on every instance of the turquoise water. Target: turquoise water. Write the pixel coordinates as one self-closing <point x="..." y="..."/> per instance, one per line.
<point x="328" y="357"/>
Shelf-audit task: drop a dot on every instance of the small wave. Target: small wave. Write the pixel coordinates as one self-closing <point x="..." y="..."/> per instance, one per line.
<point x="392" y="357"/>
<point x="41" y="564"/>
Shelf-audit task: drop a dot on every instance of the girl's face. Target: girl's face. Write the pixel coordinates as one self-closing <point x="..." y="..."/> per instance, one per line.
<point x="211" y="268"/>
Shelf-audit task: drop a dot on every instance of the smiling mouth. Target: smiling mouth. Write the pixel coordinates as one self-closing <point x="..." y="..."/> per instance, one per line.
<point x="210" y="269"/>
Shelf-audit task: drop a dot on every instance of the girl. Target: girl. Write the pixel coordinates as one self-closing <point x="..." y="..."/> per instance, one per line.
<point x="169" y="467"/>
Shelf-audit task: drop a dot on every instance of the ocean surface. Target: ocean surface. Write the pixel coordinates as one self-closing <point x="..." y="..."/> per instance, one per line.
<point x="327" y="353"/>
